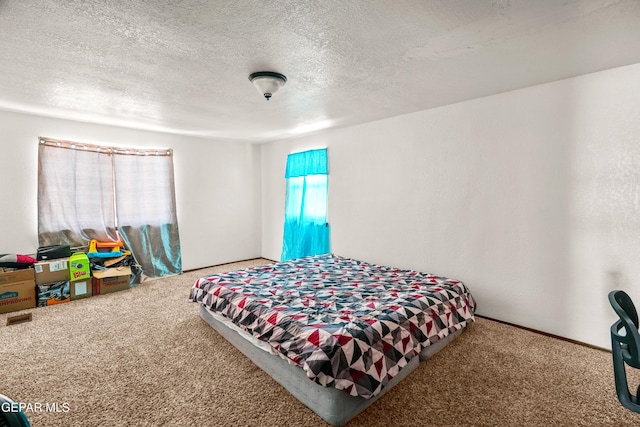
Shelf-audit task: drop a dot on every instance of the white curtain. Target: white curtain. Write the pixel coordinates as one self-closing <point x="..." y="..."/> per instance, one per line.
<point x="146" y="211"/>
<point x="75" y="196"/>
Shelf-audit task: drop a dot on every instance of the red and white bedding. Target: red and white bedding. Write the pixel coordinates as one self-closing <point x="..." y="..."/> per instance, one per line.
<point x="349" y="324"/>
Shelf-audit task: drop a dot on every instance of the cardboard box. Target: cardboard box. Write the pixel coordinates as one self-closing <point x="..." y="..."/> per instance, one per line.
<point x="56" y="270"/>
<point x="53" y="293"/>
<point x="111" y="280"/>
<point x="16" y="276"/>
<point x="17" y="290"/>
<point x="17" y="296"/>
<point x="80" y="289"/>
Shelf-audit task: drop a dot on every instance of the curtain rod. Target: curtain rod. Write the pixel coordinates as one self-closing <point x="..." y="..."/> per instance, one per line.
<point x="104" y="149"/>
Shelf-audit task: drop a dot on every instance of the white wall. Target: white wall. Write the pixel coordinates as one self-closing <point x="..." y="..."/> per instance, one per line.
<point x="531" y="197"/>
<point x="217" y="186"/>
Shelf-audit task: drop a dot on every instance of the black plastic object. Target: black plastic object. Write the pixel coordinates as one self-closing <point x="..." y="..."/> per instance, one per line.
<point x="625" y="348"/>
<point x="53" y="252"/>
<point x="11" y="415"/>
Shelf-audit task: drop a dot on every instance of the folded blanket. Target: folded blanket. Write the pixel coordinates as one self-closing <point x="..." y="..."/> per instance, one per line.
<point x="16" y="261"/>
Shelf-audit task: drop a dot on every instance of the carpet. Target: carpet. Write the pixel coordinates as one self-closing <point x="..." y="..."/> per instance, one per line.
<point x="143" y="357"/>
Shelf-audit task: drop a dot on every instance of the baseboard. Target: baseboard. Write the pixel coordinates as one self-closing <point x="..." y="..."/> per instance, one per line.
<point x="226" y="263"/>
<point x="547" y="334"/>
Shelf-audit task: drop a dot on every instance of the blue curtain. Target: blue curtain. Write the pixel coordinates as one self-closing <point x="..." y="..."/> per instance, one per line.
<point x="306" y="231"/>
<point x="312" y="162"/>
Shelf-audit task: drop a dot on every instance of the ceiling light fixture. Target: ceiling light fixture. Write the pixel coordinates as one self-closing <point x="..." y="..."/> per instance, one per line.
<point x="267" y="82"/>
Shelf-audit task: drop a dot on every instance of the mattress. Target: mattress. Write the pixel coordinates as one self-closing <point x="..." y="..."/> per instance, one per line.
<point x="348" y="328"/>
<point x="332" y="405"/>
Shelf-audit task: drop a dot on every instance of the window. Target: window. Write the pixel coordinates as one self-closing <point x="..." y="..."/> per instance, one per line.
<point x="93" y="192"/>
<point x="307" y="198"/>
<point x="306" y="231"/>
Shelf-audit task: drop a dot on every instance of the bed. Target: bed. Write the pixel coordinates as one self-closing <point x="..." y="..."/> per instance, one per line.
<point x="336" y="332"/>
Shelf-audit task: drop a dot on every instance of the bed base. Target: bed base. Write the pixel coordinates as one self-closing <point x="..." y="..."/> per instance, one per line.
<point x="332" y="405"/>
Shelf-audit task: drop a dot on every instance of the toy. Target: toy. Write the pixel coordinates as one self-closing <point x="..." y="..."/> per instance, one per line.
<point x="79" y="266"/>
<point x="97" y="249"/>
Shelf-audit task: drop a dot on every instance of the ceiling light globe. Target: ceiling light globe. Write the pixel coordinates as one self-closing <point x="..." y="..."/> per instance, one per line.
<point x="267" y="82"/>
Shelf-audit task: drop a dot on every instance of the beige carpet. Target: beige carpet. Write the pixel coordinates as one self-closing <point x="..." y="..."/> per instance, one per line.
<point x="143" y="357"/>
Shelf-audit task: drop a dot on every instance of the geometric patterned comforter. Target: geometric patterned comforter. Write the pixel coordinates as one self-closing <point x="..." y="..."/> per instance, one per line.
<point x="347" y="323"/>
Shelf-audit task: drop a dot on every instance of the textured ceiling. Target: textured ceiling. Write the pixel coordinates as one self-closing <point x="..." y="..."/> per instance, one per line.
<point x="181" y="66"/>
